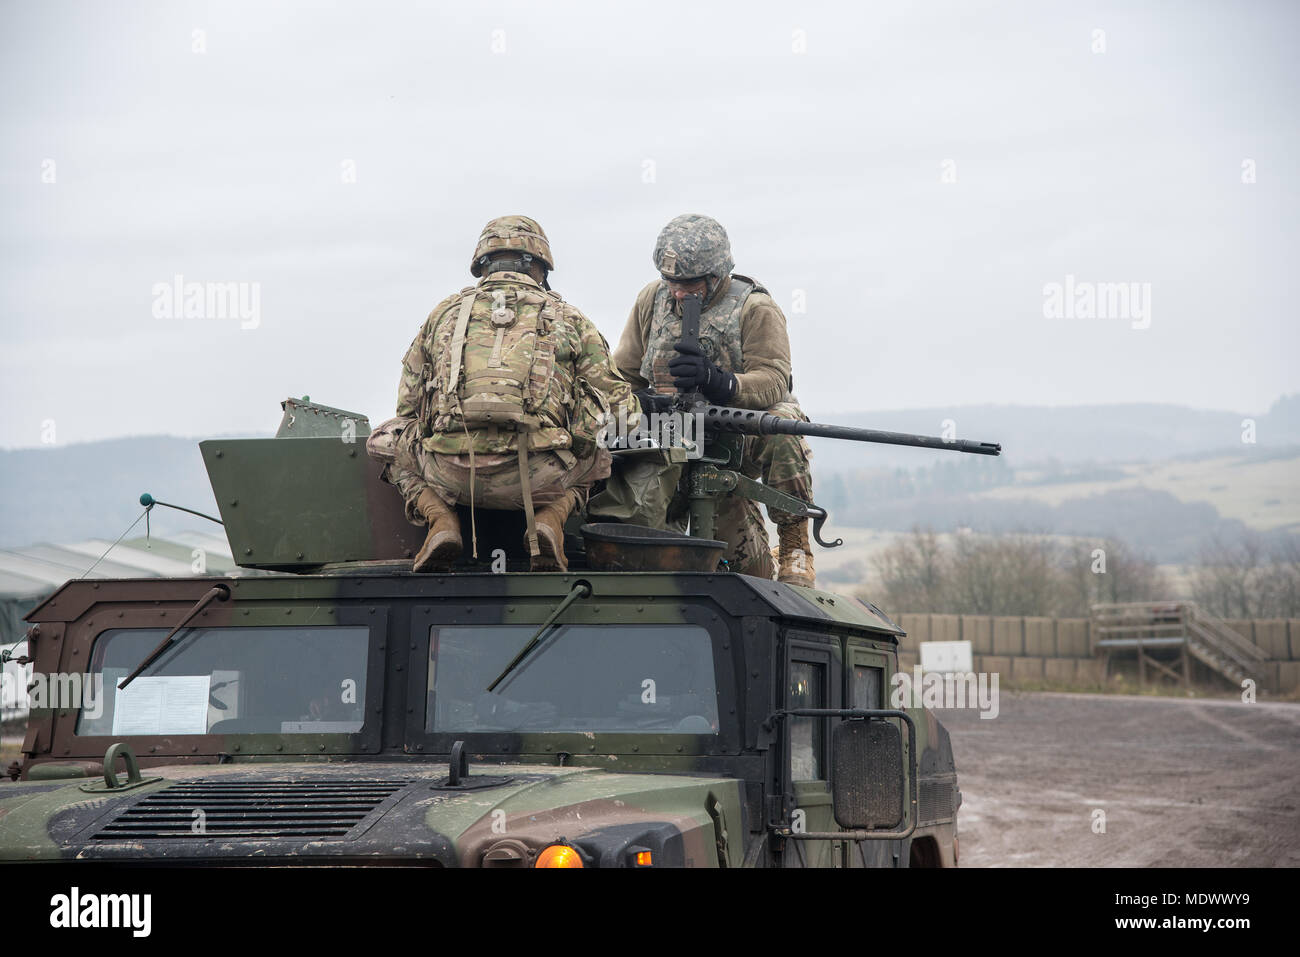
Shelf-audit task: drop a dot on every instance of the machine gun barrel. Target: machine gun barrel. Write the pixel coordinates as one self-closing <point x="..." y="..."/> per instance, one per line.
<point x="754" y="422"/>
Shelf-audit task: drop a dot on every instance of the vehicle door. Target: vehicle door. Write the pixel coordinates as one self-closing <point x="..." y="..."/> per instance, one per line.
<point x="812" y="680"/>
<point x="867" y="683"/>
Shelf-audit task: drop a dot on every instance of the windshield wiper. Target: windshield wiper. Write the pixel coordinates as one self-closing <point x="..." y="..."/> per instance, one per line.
<point x="580" y="590"/>
<point x="213" y="594"/>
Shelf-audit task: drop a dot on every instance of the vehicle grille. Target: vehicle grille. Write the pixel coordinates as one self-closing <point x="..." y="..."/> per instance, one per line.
<point x="936" y="801"/>
<point x="252" y="810"/>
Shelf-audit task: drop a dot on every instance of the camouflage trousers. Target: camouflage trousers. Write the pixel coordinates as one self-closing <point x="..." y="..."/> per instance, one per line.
<point x="782" y="462"/>
<point x="493" y="481"/>
<point x="646" y="491"/>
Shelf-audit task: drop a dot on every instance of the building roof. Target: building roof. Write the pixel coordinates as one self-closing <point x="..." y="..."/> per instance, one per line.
<point x="36" y="570"/>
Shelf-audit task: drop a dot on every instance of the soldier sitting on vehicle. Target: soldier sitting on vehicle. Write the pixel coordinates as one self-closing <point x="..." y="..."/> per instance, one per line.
<point x="743" y="360"/>
<point x="503" y="395"/>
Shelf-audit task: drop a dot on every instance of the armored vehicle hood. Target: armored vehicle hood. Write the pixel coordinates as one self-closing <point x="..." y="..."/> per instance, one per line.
<point x="498" y="816"/>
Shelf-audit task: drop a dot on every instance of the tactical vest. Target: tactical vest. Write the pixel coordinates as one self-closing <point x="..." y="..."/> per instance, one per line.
<point x="719" y="332"/>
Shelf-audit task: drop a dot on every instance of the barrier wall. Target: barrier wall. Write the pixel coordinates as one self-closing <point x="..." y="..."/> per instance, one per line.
<point x="1057" y="649"/>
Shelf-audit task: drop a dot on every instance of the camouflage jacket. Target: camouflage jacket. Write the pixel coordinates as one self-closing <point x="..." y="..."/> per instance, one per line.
<point x="759" y="353"/>
<point x="583" y="375"/>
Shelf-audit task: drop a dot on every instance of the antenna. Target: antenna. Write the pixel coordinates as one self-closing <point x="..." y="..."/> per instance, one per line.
<point x="148" y="501"/>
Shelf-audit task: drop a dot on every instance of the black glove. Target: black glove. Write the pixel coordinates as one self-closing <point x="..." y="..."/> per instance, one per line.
<point x="692" y="372"/>
<point x="652" y="401"/>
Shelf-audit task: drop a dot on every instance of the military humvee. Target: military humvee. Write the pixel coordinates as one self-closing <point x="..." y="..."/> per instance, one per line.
<point x="339" y="709"/>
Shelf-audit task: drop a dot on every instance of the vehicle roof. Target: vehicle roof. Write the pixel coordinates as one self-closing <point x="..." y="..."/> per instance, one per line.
<point x="738" y="595"/>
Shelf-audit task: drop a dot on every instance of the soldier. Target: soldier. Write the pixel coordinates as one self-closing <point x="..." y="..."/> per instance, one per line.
<point x="503" y="395"/>
<point x="745" y="363"/>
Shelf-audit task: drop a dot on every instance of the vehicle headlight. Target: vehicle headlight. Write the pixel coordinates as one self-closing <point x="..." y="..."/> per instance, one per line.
<point x="559" y="855"/>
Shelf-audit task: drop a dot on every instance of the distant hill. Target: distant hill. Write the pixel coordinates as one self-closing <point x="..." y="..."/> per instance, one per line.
<point x="1155" y="521"/>
<point x="1034" y="435"/>
<point x="1066" y="461"/>
<point x="92" y="489"/>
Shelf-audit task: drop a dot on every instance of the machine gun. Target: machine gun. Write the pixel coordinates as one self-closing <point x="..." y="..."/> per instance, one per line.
<point x="713" y="471"/>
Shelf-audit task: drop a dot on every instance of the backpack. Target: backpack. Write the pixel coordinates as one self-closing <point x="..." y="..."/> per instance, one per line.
<point x="497" y="369"/>
<point x="499" y="360"/>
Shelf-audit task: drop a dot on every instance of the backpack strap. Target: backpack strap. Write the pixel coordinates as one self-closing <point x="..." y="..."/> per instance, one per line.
<point x="757" y="286"/>
<point x="458" y="345"/>
<point x="526" y="487"/>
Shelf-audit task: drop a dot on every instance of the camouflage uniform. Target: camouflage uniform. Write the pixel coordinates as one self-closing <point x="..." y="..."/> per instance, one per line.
<point x="430" y="447"/>
<point x="744" y="332"/>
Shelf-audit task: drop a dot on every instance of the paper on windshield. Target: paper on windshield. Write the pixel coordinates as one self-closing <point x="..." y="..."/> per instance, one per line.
<point x="172" y="704"/>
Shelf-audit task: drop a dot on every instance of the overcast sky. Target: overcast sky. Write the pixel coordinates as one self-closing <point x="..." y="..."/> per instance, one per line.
<point x="920" y="171"/>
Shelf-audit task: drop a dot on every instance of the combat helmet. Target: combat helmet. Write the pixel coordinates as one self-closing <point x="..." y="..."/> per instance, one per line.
<point x="512" y="234"/>
<point x="692" y="246"/>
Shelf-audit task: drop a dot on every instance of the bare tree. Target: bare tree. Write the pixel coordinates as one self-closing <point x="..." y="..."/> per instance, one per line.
<point x="1223" y="581"/>
<point x="993" y="576"/>
<point x="1279" y="582"/>
<point x="1246" y="579"/>
<point x="1019" y="574"/>
<point x="1106" y="572"/>
<point x="912" y="572"/>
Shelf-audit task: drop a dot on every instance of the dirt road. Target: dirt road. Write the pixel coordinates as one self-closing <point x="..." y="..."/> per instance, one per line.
<point x="1180" y="782"/>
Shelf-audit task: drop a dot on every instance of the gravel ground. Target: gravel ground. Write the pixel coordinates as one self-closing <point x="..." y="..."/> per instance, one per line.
<point x="1207" y="783"/>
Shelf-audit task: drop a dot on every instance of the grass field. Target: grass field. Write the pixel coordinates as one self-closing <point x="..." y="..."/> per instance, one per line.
<point x="850" y="567"/>
<point x="1264" y="495"/>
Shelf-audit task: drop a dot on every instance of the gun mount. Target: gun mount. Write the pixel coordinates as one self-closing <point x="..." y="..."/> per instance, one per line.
<point x="715" y="472"/>
<point x="716" y="447"/>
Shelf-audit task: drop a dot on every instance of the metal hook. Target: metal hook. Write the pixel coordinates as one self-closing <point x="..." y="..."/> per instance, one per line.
<point x="819" y="517"/>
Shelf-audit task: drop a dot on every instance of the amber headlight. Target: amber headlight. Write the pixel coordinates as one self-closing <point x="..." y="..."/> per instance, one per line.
<point x="559" y="855"/>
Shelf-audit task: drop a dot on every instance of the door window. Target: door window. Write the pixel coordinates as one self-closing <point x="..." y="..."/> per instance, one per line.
<point x="868" y="687"/>
<point x="807" y="735"/>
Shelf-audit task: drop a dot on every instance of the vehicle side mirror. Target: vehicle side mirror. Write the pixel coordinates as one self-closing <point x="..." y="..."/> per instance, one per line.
<point x="868" y="783"/>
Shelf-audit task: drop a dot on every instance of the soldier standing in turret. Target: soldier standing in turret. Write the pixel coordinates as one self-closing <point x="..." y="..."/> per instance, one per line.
<point x="744" y="361"/>
<point x="503" y="397"/>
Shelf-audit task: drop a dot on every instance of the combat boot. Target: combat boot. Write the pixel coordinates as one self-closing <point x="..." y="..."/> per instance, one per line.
<point x="442" y="545"/>
<point x="550" y="534"/>
<point x="794" y="557"/>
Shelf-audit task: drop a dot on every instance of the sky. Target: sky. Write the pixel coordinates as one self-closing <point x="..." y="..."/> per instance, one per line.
<point x="932" y="192"/>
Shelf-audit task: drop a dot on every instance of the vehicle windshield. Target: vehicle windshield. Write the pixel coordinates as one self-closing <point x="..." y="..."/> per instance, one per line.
<point x="623" y="678"/>
<point x="230" y="681"/>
